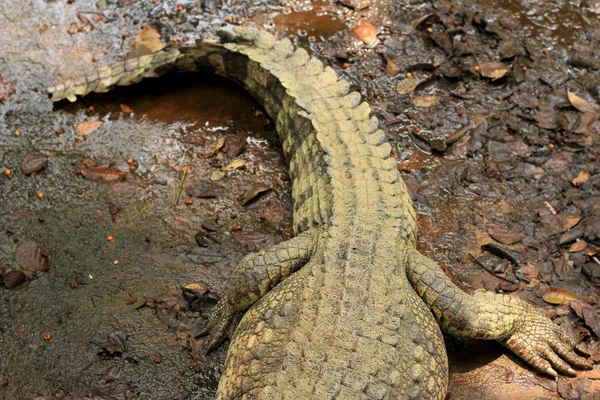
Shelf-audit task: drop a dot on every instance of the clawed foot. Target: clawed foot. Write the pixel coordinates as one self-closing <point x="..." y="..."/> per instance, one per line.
<point x="545" y="346"/>
<point x="218" y="326"/>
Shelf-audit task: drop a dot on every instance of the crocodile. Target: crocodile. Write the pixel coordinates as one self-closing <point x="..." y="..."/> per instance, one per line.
<point x="347" y="308"/>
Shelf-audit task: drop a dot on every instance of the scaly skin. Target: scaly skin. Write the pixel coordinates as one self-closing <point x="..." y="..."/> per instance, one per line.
<point x="348" y="309"/>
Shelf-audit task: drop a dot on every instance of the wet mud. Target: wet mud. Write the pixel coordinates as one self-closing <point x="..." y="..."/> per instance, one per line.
<point x="496" y="154"/>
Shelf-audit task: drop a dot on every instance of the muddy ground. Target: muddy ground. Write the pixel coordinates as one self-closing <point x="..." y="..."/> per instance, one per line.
<point x="495" y="132"/>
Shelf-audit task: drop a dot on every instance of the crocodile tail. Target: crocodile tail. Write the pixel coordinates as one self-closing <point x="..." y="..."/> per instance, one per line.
<point x="122" y="73"/>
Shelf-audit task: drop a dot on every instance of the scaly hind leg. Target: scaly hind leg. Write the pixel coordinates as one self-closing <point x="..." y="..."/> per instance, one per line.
<point x="485" y="315"/>
<point x="253" y="278"/>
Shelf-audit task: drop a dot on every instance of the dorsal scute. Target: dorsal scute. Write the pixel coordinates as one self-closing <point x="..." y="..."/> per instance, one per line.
<point x="351" y="100"/>
<point x="362" y="112"/>
<point x="328" y="77"/>
<point x="264" y="40"/>
<point x="313" y="67"/>
<point x="341" y="87"/>
<point x="300" y="57"/>
<point x="284" y="48"/>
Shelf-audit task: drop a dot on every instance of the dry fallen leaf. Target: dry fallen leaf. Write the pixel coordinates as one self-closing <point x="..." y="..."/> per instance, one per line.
<point x="503" y="235"/>
<point x="13" y="279"/>
<point x="580" y="103"/>
<point x="33" y="163"/>
<point x="218" y="175"/>
<point x="149" y="38"/>
<point x="569" y="221"/>
<point x="582" y="177"/>
<point x="7" y="89"/>
<point x="126" y="109"/>
<point x="494" y="70"/>
<point x="31" y="258"/>
<point x="457" y="135"/>
<point x="578" y="246"/>
<point x="88" y="127"/>
<point x="254" y="191"/>
<point x="425" y="101"/>
<point x="366" y="32"/>
<point x="587" y="123"/>
<point x="193" y="286"/>
<point x="391" y="68"/>
<point x="235" y="164"/>
<point x="559" y="296"/>
<point x="103" y="174"/>
<point x="408" y="85"/>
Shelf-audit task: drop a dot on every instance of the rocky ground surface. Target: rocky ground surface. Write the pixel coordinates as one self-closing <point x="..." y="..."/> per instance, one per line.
<point x="123" y="214"/>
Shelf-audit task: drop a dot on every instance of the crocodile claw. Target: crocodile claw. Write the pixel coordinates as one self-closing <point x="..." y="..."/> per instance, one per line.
<point x="546" y="347"/>
<point x="217" y="327"/>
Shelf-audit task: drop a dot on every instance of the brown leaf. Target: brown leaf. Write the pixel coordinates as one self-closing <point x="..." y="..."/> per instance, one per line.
<point x="33" y="163"/>
<point x="425" y="101"/>
<point x="408" y="85"/>
<point x="582" y="177"/>
<point x="88" y="127"/>
<point x="31" y="258"/>
<point x="586" y="123"/>
<point x="273" y="211"/>
<point x="391" y="68"/>
<point x="457" y="135"/>
<point x="255" y="239"/>
<point x="590" y="316"/>
<point x="503" y="235"/>
<point x="126" y="109"/>
<point x="103" y="174"/>
<point x="494" y="70"/>
<point x="578" y="246"/>
<point x="7" y="89"/>
<point x="580" y="103"/>
<point x="559" y="296"/>
<point x="149" y="38"/>
<point x="547" y="121"/>
<point x="13" y="279"/>
<point x="366" y="32"/>
<point x="569" y="221"/>
<point x="254" y="191"/>
<point x="560" y="265"/>
<point x="92" y="18"/>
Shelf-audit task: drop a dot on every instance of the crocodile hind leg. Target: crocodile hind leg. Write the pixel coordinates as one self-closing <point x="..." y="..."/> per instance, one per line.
<point x="485" y="315"/>
<point x="255" y="275"/>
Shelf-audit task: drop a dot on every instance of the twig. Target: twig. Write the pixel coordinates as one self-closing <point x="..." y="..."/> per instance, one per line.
<point x="139" y="212"/>
<point x="185" y="170"/>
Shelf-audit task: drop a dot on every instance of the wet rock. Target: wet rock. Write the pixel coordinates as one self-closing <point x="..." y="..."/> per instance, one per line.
<point x="33" y="163"/>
